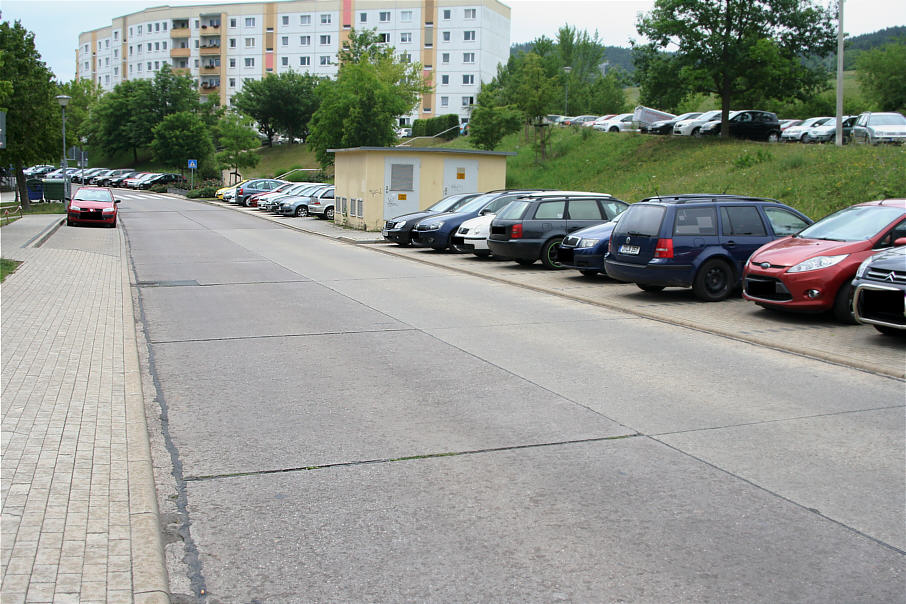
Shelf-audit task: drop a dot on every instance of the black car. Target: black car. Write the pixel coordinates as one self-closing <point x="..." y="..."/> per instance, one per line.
<point x="753" y="125"/>
<point x="533" y="226"/>
<point x="399" y="229"/>
<point x="880" y="291"/>
<point x="666" y="126"/>
<point x="162" y="179"/>
<point x="116" y="179"/>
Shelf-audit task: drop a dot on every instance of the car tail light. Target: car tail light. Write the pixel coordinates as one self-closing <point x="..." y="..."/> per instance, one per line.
<point x="664" y="248"/>
<point x="516" y="231"/>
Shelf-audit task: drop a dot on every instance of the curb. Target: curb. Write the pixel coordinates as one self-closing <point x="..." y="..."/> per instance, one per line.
<point x="150" y="581"/>
<point x="39" y="239"/>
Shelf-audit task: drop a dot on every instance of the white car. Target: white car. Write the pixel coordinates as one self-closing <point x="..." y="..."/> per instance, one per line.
<point x="693" y="127"/>
<point x="620" y="123"/>
<point x="472" y="235"/>
<point x="800" y="132"/>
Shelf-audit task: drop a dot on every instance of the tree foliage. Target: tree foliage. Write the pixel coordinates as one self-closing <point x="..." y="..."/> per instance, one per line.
<point x="280" y="103"/>
<point x="237" y="140"/>
<point x="27" y="90"/>
<point x="882" y="74"/>
<point x="180" y="137"/>
<point x="743" y="51"/>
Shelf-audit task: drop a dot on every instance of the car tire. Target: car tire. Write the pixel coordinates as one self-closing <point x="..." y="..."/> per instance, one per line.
<point x="614" y="129"/>
<point x="404" y="242"/>
<point x="68" y="222"/>
<point x="714" y="281"/>
<point x="482" y="253"/>
<point x="328" y="214"/>
<point x="301" y="211"/>
<point x="651" y="289"/>
<point x="589" y="274"/>
<point x="549" y="254"/>
<point x="843" y="304"/>
<point x="525" y="261"/>
<point x="696" y="132"/>
<point x="773" y="137"/>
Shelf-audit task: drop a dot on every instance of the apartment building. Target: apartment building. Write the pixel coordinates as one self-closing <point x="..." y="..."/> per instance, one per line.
<point x="221" y="46"/>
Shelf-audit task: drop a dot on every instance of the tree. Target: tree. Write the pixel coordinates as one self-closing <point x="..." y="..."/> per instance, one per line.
<point x="489" y="124"/>
<point x="881" y="74"/>
<point x="236" y="137"/>
<point x="122" y="119"/>
<point x="180" y="137"/>
<point x="84" y="94"/>
<point x="742" y="50"/>
<point x="361" y="107"/>
<point x="260" y="100"/>
<point x="27" y="90"/>
<point x="171" y="93"/>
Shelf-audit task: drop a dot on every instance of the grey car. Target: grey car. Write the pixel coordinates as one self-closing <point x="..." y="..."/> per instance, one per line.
<point x="297" y="205"/>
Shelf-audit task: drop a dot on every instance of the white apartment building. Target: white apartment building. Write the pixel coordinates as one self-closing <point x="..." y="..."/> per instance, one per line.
<point x="222" y="46"/>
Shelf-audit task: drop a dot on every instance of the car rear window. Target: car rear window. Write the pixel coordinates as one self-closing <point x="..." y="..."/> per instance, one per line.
<point x="514" y="210"/>
<point x="695" y="221"/>
<point x="643" y="220"/>
<point x="550" y="210"/>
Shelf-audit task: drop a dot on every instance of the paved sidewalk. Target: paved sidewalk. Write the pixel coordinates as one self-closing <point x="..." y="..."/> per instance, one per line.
<point x="77" y="501"/>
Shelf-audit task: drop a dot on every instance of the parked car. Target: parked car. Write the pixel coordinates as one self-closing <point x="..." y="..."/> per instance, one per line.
<point x="531" y="227"/>
<point x="799" y="132"/>
<point x="784" y="124"/>
<point x="129" y="181"/>
<point x="297" y="204"/>
<point x="116" y="177"/>
<point x="813" y="270"/>
<point x="96" y="179"/>
<point x="92" y="205"/>
<point x="827" y="131"/>
<point x="666" y="126"/>
<point x="437" y="231"/>
<point x="700" y="241"/>
<point x="257" y="185"/>
<point x="618" y="123"/>
<point x="166" y="178"/>
<point x="84" y="176"/>
<point x="254" y="200"/>
<point x="579" y="120"/>
<point x="584" y="250"/>
<point x="321" y="203"/>
<point x="748" y="124"/>
<point x="219" y="193"/>
<point x="271" y="201"/>
<point x="472" y="235"/>
<point x="693" y="126"/>
<point x="399" y="228"/>
<point x="880" y="290"/>
<point x="136" y="181"/>
<point x="38" y="171"/>
<point x="874" y="128"/>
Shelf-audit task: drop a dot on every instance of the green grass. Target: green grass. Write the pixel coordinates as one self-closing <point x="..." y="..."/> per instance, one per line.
<point x="282" y="158"/>
<point x="34" y="208"/>
<point x="7" y="267"/>
<point x="816" y="179"/>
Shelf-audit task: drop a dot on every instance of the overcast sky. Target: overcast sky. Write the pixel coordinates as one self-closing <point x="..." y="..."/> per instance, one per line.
<point x="58" y="23"/>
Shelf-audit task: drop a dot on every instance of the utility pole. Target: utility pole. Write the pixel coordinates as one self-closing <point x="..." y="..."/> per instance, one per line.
<point x="839" y="136"/>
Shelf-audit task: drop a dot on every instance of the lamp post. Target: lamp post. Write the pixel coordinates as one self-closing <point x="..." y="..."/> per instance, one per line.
<point x="567" y="69"/>
<point x="63" y="100"/>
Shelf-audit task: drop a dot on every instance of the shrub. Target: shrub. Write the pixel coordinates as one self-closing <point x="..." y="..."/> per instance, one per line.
<point x="206" y="192"/>
<point x="160" y="188"/>
<point x="436" y="125"/>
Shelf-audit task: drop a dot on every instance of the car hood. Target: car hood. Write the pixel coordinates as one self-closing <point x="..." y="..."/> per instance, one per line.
<point x="893" y="129"/>
<point x="412" y="216"/>
<point x="478" y="221"/>
<point x="596" y="231"/>
<point x="891" y="259"/>
<point x="790" y="251"/>
<point x="91" y="205"/>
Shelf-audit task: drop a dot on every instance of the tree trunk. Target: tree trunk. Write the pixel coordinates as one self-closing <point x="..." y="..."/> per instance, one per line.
<point x="22" y="188"/>
<point x="725" y="107"/>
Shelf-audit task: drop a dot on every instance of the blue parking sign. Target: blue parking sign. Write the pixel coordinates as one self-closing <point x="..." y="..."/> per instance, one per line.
<point x="193" y="164"/>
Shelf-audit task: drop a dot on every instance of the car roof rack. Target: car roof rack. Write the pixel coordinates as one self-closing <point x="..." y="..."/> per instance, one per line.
<point x="705" y="197"/>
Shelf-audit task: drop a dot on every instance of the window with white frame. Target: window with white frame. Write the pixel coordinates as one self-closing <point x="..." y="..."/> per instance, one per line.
<point x="466" y="101"/>
<point x="468" y="57"/>
<point x="164" y="26"/>
<point x="363" y="17"/>
<point x="157" y="46"/>
<point x="139" y="30"/>
<point x="406" y="37"/>
<point x="445" y="36"/>
<point x="232" y="42"/>
<point x="116" y="35"/>
<point x="232" y="62"/>
<point x="233" y="22"/>
<point x="324" y="39"/>
<point x="305" y="40"/>
<point x="232" y="82"/>
<point x="469" y="35"/>
<point x="406" y="16"/>
<point x="156" y="65"/>
<point x="284" y="41"/>
<point x="157" y="27"/>
<point x="149" y="46"/>
<point x="325" y="60"/>
<point x="448" y="14"/>
<point x="284" y="60"/>
<point x="130" y="51"/>
<point x="325" y="18"/>
<point x="383" y="38"/>
<point x="445" y="58"/>
<point x="305" y="61"/>
<point x="250" y="42"/>
<point x="285" y="20"/>
<point x="444" y="79"/>
<point x="470" y="13"/>
<point x="384" y="16"/>
<point x="162" y="45"/>
<point x="444" y="101"/>
<point x="149" y="65"/>
<point x="249" y="62"/>
<point x="406" y="57"/>
<point x="250" y="21"/>
<point x="107" y="61"/>
<point x="106" y="43"/>
<point x="304" y="19"/>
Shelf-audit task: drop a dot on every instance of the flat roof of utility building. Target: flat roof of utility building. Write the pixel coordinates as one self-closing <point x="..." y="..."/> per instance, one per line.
<point x="425" y="150"/>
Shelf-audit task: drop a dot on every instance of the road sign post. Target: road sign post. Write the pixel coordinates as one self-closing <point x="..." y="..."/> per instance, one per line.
<point x="193" y="165"/>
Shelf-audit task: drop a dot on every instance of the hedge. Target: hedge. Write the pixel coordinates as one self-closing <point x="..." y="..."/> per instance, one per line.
<point x="436" y="125"/>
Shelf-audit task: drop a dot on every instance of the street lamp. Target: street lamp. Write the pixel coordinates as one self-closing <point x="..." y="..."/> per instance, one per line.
<point x="63" y="100"/>
<point x="567" y="69"/>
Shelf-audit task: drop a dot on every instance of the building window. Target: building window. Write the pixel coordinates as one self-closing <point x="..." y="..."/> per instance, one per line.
<point x="149" y="65"/>
<point x="445" y="58"/>
<point x="325" y="19"/>
<point x="406" y="37"/>
<point x="232" y="42"/>
<point x="284" y="60"/>
<point x="249" y="62"/>
<point x="468" y="79"/>
<point x="164" y="26"/>
<point x="305" y="40"/>
<point x="305" y="19"/>
<point x="406" y="57"/>
<point x="156" y="65"/>
<point x="232" y="62"/>
<point x="157" y="27"/>
<point x="196" y="45"/>
<point x="130" y="51"/>
<point x="384" y="38"/>
<point x="325" y="60"/>
<point x="157" y="46"/>
<point x="285" y="19"/>
<point x="106" y="43"/>
<point x="116" y="71"/>
<point x="149" y="46"/>
<point x="197" y="23"/>
<point x="116" y="53"/>
<point x="107" y="61"/>
<point x="444" y="101"/>
<point x="406" y="16"/>
<point x="139" y="30"/>
<point x="250" y="42"/>
<point x="232" y="22"/>
<point x="444" y="79"/>
<point x="250" y="21"/>
<point x="446" y="36"/>
<point x="325" y="40"/>
<point x="469" y="35"/>
<point x="284" y="41"/>
<point x="466" y="101"/>
<point x="448" y="14"/>
<point x="384" y="16"/>
<point x="363" y="17"/>
<point x="116" y="35"/>
<point x="162" y="44"/>
<point x="305" y="61"/>
<point x="468" y="57"/>
<point x="232" y="82"/>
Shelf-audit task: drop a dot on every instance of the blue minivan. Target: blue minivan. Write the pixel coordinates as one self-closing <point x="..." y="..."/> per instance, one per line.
<point x="700" y="241"/>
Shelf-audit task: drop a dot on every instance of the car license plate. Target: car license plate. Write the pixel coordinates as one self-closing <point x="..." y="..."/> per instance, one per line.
<point x="630" y="250"/>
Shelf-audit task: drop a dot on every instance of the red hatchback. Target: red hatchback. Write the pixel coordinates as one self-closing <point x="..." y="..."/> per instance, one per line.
<point x="813" y="270"/>
<point x="92" y="205"/>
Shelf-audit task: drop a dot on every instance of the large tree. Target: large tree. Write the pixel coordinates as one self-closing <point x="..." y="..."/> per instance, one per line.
<point x="743" y="51"/>
<point x="280" y="103"/>
<point x="180" y="137"/>
<point x="27" y="90"/>
<point x="237" y="140"/>
<point x="882" y="74"/>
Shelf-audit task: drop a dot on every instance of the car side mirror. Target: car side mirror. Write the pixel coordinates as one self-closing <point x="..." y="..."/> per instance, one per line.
<point x="117" y="200"/>
<point x="899" y="241"/>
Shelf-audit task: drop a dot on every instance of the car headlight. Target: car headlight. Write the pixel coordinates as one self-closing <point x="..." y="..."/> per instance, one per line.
<point x="863" y="267"/>
<point x="434" y="226"/>
<point x="108" y="210"/>
<point x="74" y="208"/>
<point x="588" y="242"/>
<point x="400" y="224"/>
<point x="816" y="263"/>
<point x="462" y="231"/>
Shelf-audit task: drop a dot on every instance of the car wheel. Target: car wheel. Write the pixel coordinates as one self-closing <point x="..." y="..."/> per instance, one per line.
<point x="697" y="132"/>
<point x="525" y="261"/>
<point x="843" y="304"/>
<point x="614" y="129"/>
<point x="328" y="214"/>
<point x="773" y="137"/>
<point x="549" y="254"/>
<point x="653" y="289"/>
<point x="406" y="242"/>
<point x="68" y="222"/>
<point x="301" y="211"/>
<point x="589" y="274"/>
<point x="889" y="331"/>
<point x="714" y="281"/>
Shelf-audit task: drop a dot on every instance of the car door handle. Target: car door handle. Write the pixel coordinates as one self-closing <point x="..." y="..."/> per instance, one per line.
<point x="730" y="244"/>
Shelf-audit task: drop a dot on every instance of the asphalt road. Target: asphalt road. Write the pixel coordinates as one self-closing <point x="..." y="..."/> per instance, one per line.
<point x="336" y="424"/>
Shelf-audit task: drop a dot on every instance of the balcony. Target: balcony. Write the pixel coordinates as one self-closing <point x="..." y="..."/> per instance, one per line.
<point x="209" y="50"/>
<point x="210" y="30"/>
<point x="182" y="32"/>
<point x="206" y="88"/>
<point x="210" y="70"/>
<point x="181" y="71"/>
<point x="180" y="53"/>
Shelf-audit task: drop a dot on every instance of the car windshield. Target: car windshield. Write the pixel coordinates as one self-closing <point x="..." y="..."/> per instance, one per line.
<point x="93" y="195"/>
<point x="450" y="202"/>
<point x="852" y="224"/>
<point x="887" y="119"/>
<point x="641" y="220"/>
<point x="477" y="203"/>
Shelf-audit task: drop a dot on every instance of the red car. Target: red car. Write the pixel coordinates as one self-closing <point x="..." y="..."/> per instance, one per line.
<point x="254" y="199"/>
<point x="92" y="205"/>
<point x="813" y="270"/>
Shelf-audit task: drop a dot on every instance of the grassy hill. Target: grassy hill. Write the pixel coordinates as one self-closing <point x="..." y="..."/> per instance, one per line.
<point x="816" y="179"/>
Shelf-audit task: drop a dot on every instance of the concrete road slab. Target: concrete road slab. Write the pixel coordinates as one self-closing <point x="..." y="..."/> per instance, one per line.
<point x="612" y="521"/>
<point x="216" y="273"/>
<point x="850" y="467"/>
<point x="251" y="310"/>
<point x="138" y="220"/>
<point x="185" y="245"/>
<point x="277" y="403"/>
<point x="88" y="238"/>
<point x="632" y="371"/>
